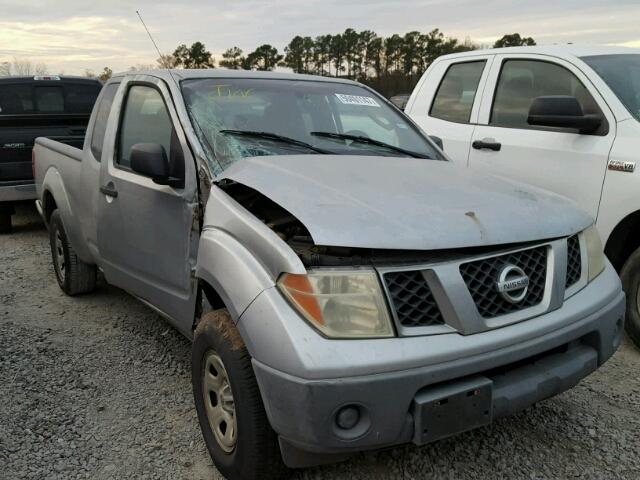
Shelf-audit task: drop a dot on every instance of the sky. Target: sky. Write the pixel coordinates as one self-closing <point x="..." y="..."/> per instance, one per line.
<point x="71" y="36"/>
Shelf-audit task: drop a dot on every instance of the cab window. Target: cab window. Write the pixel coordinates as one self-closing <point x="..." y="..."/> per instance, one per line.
<point x="522" y="81"/>
<point x="102" y="115"/>
<point x="457" y="92"/>
<point x="145" y="120"/>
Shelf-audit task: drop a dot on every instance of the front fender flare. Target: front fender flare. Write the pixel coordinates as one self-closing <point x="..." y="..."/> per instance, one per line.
<point x="236" y="275"/>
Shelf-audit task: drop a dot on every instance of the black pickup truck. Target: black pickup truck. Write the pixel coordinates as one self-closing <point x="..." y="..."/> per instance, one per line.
<point x="30" y="107"/>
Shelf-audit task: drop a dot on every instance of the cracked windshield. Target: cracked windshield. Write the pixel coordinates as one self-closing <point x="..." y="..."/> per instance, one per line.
<point x="237" y="118"/>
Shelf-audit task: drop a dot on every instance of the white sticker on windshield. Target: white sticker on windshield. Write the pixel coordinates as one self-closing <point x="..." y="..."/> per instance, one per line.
<point x="357" y="100"/>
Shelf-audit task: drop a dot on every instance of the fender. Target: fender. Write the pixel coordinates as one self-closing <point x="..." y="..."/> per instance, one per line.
<point x="236" y="275"/>
<point x="54" y="184"/>
<point x="238" y="255"/>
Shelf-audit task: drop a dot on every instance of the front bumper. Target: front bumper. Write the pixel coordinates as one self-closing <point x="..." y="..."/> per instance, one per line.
<point x="15" y="191"/>
<point x="396" y="407"/>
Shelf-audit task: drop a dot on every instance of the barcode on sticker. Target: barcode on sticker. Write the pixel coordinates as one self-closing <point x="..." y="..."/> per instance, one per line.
<point x="357" y="100"/>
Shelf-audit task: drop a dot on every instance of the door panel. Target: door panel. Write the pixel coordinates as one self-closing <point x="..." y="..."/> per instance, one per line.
<point x="563" y="161"/>
<point x="448" y="100"/>
<point x="145" y="230"/>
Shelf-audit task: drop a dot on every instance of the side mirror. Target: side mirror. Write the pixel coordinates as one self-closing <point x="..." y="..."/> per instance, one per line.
<point x="438" y="141"/>
<point x="562" y="111"/>
<point x="151" y="160"/>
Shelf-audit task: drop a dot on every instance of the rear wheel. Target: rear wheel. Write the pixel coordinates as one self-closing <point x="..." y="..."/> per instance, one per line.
<point x="630" y="277"/>
<point x="74" y="276"/>
<point x="234" y="424"/>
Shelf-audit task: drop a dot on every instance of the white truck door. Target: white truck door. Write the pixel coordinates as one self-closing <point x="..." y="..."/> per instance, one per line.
<point x="447" y="99"/>
<point x="561" y="160"/>
<point x="145" y="230"/>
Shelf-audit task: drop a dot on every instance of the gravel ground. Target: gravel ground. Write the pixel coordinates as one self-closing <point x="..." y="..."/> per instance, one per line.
<point x="98" y="387"/>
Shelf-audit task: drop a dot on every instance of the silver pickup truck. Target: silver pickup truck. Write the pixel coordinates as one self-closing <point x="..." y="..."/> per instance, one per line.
<point x="346" y="287"/>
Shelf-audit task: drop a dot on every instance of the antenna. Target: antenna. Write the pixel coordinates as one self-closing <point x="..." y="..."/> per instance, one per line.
<point x="156" y="46"/>
<point x="193" y="118"/>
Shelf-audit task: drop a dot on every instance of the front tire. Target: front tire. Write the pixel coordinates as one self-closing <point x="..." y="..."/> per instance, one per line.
<point x="73" y="275"/>
<point x="630" y="277"/>
<point x="232" y="418"/>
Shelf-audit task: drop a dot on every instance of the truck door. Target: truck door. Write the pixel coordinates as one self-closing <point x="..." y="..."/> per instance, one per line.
<point x="146" y="233"/>
<point x="557" y="159"/>
<point x="447" y="101"/>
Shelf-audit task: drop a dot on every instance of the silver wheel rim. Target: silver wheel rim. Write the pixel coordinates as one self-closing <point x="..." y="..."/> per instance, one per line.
<point x="219" y="403"/>
<point x="58" y="255"/>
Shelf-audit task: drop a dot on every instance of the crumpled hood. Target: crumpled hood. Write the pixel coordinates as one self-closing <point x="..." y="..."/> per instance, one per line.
<point x="406" y="203"/>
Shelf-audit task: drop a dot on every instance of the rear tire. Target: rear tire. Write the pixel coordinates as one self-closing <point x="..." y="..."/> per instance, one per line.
<point x="226" y="396"/>
<point x="73" y="275"/>
<point x="630" y="277"/>
<point x="5" y="223"/>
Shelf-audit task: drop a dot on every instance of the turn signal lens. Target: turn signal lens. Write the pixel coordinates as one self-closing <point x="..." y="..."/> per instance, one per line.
<point x="340" y="304"/>
<point x="595" y="252"/>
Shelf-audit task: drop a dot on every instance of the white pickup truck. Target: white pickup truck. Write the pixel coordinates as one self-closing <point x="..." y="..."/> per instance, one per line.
<point x="345" y="285"/>
<point x="564" y="118"/>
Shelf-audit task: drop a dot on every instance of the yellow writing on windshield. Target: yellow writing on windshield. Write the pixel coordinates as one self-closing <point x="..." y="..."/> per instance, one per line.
<point x="228" y="91"/>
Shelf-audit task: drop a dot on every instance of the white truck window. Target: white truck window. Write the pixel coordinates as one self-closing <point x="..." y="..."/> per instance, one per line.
<point x="622" y="73"/>
<point x="521" y="81"/>
<point x="145" y="120"/>
<point x="457" y="91"/>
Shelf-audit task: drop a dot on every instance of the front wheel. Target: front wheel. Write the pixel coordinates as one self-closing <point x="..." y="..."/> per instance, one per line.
<point x="74" y="276"/>
<point x="630" y="277"/>
<point x="234" y="424"/>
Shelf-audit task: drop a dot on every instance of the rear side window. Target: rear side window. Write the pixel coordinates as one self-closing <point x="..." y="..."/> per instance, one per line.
<point x="102" y="115"/>
<point x="145" y="120"/>
<point x="522" y="81"/>
<point x="457" y="92"/>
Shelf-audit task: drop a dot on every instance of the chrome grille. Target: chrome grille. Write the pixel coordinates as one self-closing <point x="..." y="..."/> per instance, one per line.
<point x="481" y="277"/>
<point x="412" y="299"/>
<point x="574" y="261"/>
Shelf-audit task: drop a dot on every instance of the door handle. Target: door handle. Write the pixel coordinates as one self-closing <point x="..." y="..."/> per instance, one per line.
<point x="487" y="144"/>
<point x="109" y="190"/>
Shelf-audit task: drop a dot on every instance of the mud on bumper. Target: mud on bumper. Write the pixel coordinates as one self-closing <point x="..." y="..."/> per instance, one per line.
<point x="422" y="405"/>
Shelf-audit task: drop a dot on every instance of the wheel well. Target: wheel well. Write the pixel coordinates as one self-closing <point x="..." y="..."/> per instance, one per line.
<point x="208" y="300"/>
<point x="624" y="240"/>
<point x="48" y="205"/>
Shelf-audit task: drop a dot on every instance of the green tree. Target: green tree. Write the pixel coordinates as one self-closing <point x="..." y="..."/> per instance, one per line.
<point x="265" y="57"/>
<point x="232" y="59"/>
<point x="323" y="54"/>
<point x="363" y="60"/>
<point x="412" y="50"/>
<point x="336" y="53"/>
<point x="514" y="40"/>
<point x="375" y="56"/>
<point x="309" y="54"/>
<point x="294" y="54"/>
<point x="195" y="56"/>
<point x="350" y="49"/>
<point x="393" y="52"/>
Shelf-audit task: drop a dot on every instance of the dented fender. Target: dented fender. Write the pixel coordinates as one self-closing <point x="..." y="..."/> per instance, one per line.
<point x="238" y="255"/>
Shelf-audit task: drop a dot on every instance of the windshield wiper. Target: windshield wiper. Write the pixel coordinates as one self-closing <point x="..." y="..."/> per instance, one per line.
<point x="276" y="137"/>
<point x="370" y="141"/>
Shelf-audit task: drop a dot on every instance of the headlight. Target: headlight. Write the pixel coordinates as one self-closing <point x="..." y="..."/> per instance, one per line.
<point x="595" y="252"/>
<point x="340" y="304"/>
